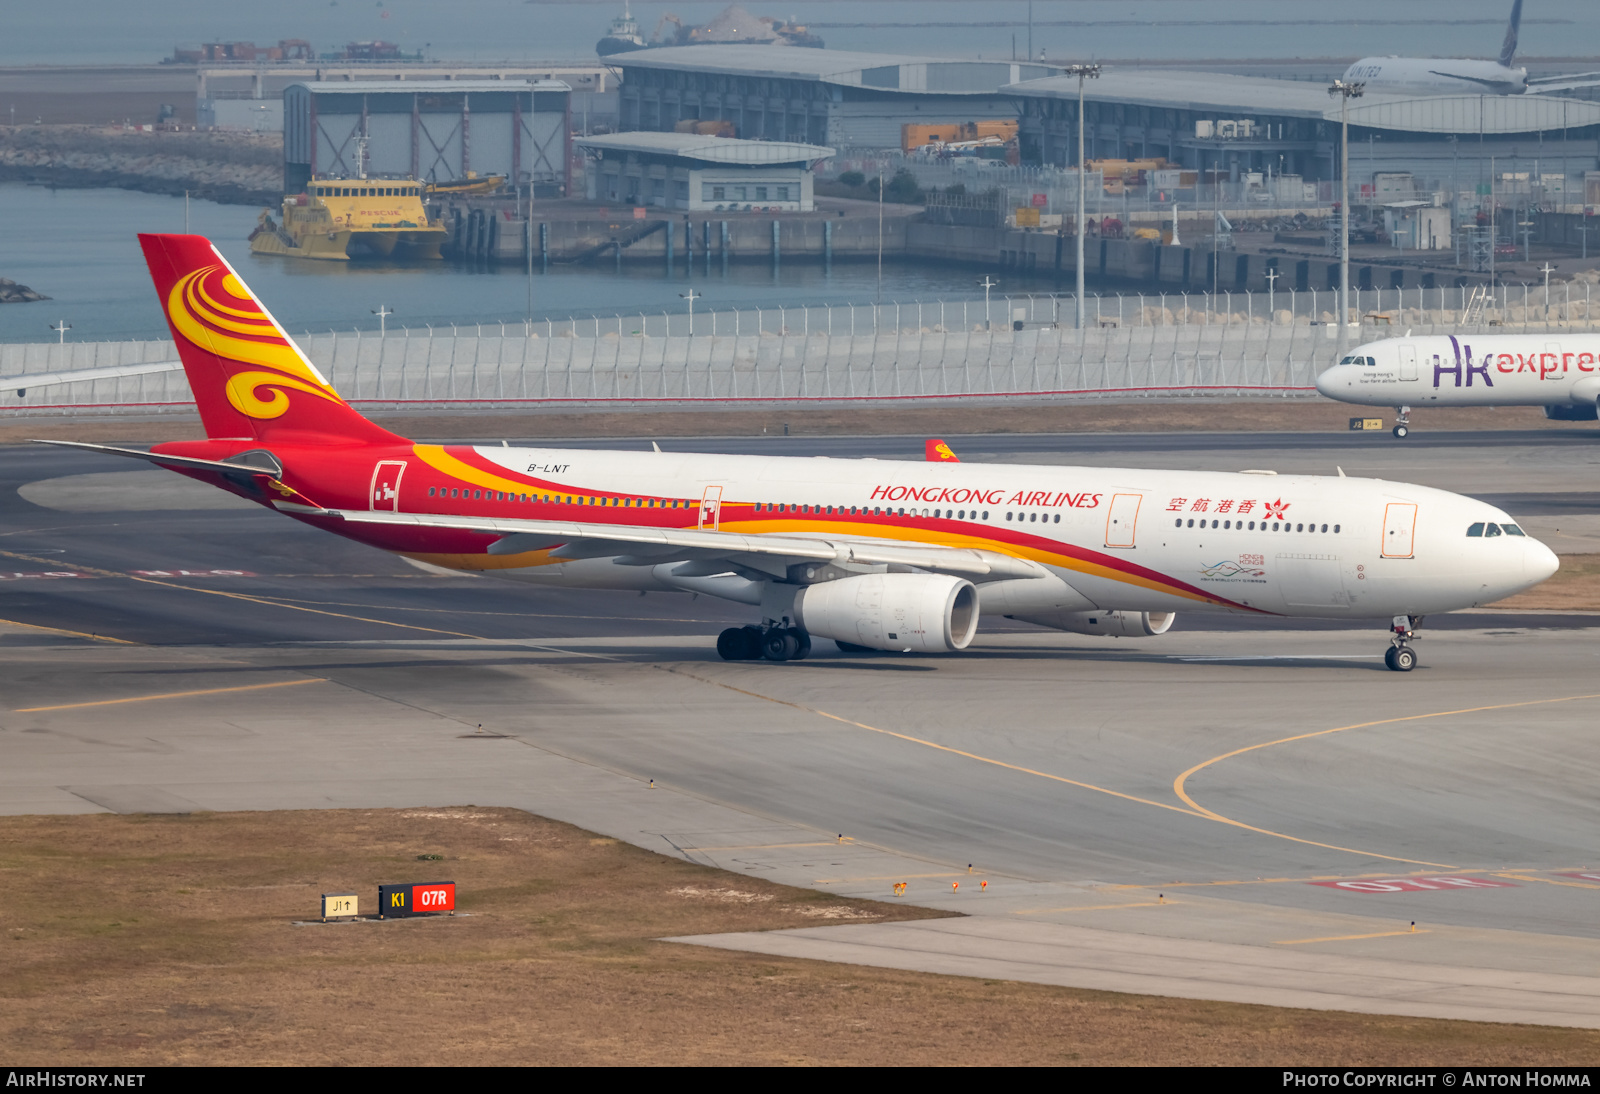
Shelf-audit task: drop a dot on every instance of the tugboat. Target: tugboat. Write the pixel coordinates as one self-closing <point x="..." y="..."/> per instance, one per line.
<point x="623" y="37"/>
<point x="336" y="219"/>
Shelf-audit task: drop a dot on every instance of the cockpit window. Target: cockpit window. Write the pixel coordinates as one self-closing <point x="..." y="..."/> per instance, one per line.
<point x="1350" y="360"/>
<point x="1373" y="361"/>
<point x="1475" y="530"/>
<point x="1490" y="530"/>
<point x="1513" y="530"/>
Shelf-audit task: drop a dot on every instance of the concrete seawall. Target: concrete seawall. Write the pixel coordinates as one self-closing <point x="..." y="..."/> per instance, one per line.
<point x="234" y="169"/>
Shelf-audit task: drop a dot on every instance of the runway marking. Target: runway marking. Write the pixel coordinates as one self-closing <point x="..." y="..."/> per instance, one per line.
<point x="1345" y="937"/>
<point x="847" y="842"/>
<point x="1283" y="657"/>
<point x="1260" y="881"/>
<point x="1099" y="907"/>
<point x="1550" y="881"/>
<point x="171" y="695"/>
<point x="75" y="634"/>
<point x="1178" y="783"/>
<point x="935" y="745"/>
<point x="251" y="599"/>
<point x="887" y="877"/>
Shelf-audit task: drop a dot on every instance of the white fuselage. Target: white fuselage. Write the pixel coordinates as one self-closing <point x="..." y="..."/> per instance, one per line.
<point x="1108" y="539"/>
<point x="1436" y="76"/>
<point x="1469" y="370"/>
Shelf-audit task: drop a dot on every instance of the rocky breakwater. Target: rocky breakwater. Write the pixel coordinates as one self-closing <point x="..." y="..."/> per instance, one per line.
<point x="12" y="293"/>
<point x="234" y="168"/>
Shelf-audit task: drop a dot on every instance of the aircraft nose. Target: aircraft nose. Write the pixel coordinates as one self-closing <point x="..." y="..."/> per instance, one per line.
<point x="1325" y="382"/>
<point x="1538" y="561"/>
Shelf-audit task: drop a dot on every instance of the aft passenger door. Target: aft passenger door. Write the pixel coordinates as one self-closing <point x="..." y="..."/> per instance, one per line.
<point x="385" y="494"/>
<point x="1399" y="529"/>
<point x="1122" y="520"/>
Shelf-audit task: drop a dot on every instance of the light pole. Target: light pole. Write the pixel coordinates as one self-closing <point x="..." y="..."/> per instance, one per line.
<point x="61" y="328"/>
<point x="1547" y="270"/>
<point x="1272" y="281"/>
<point x="382" y="312"/>
<point x="1082" y="72"/>
<point x="1346" y="92"/>
<point x="987" y="283"/>
<point x="691" y="296"/>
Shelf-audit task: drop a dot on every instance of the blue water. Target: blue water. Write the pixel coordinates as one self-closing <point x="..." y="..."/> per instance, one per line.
<point x="79" y="248"/>
<point x="115" y="31"/>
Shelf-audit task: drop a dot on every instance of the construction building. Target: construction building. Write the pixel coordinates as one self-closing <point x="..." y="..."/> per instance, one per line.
<point x="432" y="131"/>
<point x="701" y="173"/>
<point x="1226" y="126"/>
<point x="813" y="96"/>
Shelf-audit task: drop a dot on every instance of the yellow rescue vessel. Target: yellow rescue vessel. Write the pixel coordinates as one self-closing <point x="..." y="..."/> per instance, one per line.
<point x="336" y="219"/>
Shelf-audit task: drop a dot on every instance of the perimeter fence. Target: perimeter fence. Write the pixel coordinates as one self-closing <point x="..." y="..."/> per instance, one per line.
<point x="1006" y="348"/>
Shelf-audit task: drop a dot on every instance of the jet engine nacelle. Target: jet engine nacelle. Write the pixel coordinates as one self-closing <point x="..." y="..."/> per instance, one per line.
<point x="925" y="613"/>
<point x="1116" y="624"/>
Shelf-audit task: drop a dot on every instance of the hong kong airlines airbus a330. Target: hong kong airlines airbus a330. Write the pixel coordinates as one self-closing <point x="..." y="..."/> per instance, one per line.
<point x="879" y="554"/>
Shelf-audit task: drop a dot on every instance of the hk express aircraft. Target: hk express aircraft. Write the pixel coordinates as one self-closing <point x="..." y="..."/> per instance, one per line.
<point x="1560" y="372"/>
<point x="1459" y="76"/>
<point x="885" y="555"/>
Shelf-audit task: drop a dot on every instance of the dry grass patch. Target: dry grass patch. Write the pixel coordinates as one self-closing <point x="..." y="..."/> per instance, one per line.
<point x="1574" y="588"/>
<point x="144" y="940"/>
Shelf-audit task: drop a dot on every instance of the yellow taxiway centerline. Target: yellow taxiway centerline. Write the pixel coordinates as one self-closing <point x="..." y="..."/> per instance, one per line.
<point x="171" y="695"/>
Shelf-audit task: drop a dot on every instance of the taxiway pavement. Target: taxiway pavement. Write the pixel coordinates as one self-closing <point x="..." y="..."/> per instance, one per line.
<point x="1222" y="798"/>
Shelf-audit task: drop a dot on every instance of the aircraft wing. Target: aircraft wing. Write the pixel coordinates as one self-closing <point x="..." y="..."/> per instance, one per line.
<point x="22" y="382"/>
<point x="654" y="546"/>
<point x="1544" y="85"/>
<point x="1492" y="85"/>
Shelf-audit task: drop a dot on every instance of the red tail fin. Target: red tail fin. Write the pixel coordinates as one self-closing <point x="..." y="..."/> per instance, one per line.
<point x="248" y="377"/>
<point x="936" y="451"/>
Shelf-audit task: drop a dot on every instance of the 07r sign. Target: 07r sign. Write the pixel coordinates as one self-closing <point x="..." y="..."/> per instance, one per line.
<point x="1415" y="884"/>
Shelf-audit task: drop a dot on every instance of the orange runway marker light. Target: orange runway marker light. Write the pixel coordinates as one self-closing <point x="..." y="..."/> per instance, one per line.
<point x="954" y="886"/>
<point x="983" y="885"/>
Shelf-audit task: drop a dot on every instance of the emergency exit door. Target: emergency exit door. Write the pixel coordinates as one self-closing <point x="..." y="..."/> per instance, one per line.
<point x="1122" y="519"/>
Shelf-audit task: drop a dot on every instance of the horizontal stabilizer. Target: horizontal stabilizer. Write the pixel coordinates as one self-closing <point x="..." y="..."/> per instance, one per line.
<point x="22" y="382"/>
<point x="272" y="469"/>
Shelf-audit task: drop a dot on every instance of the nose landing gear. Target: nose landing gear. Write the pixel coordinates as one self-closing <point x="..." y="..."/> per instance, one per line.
<point x="754" y="643"/>
<point x="1402" y="421"/>
<point x="1399" y="656"/>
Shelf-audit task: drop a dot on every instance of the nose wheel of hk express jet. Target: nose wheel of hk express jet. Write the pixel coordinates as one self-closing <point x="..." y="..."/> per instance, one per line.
<point x="1400" y="657"/>
<point x="1402" y="427"/>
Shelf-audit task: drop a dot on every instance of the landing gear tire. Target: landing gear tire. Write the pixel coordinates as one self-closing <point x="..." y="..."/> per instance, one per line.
<point x="1401" y="431"/>
<point x="802" y="644"/>
<point x="1400" y="658"/>
<point x="780" y="644"/>
<point x="739" y="644"/>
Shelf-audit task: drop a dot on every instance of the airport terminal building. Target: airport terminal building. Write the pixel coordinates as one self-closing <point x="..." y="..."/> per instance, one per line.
<point x="811" y="96"/>
<point x="1207" y="121"/>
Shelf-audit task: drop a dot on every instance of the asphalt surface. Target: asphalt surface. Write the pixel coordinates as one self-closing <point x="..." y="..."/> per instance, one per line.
<point x="176" y="655"/>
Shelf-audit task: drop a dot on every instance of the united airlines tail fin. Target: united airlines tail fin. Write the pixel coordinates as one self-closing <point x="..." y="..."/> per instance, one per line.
<point x="1508" y="48"/>
<point x="248" y="377"/>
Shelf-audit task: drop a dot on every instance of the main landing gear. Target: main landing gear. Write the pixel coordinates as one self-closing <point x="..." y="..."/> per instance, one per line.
<point x="754" y="643"/>
<point x="1402" y="423"/>
<point x="1399" y="656"/>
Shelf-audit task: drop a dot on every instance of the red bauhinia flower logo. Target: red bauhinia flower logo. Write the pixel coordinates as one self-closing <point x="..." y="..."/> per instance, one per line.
<point x="1275" y="509"/>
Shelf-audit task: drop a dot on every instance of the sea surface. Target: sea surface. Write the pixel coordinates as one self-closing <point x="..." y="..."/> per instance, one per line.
<point x="117" y="32"/>
<point x="79" y="247"/>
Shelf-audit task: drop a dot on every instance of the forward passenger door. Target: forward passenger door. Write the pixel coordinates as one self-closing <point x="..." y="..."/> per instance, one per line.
<point x="1122" y="520"/>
